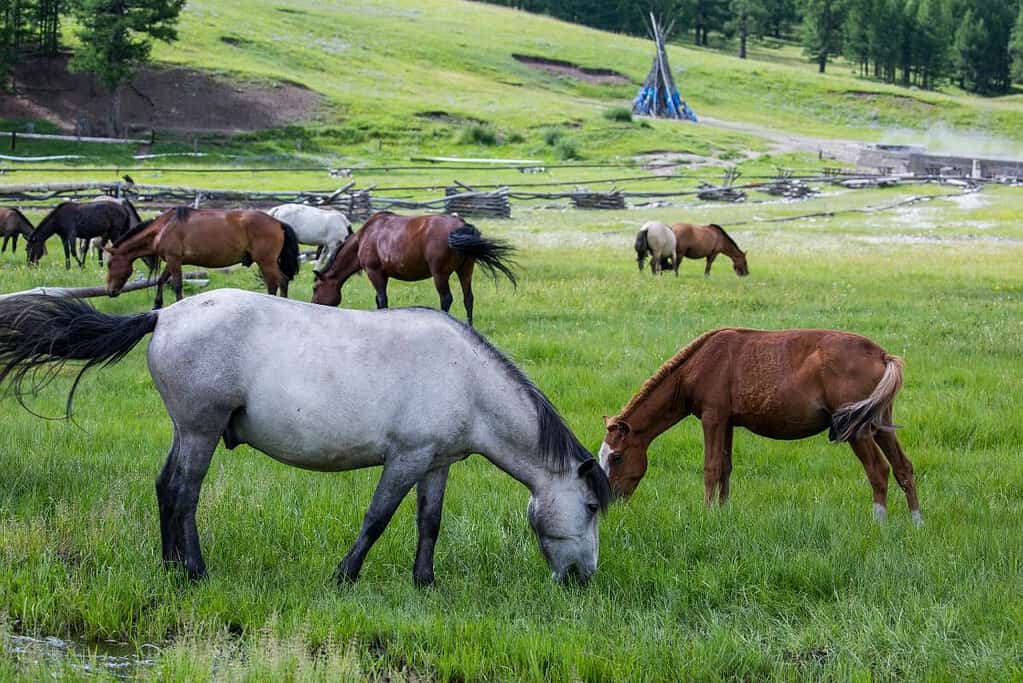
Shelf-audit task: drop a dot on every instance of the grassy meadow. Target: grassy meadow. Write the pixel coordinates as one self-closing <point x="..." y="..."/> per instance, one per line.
<point x="791" y="579"/>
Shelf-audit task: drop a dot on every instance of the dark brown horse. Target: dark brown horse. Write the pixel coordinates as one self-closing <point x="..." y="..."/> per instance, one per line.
<point x="413" y="248"/>
<point x="789" y="384"/>
<point x="707" y="241"/>
<point x="12" y="224"/>
<point x="209" y="238"/>
<point x="73" y="221"/>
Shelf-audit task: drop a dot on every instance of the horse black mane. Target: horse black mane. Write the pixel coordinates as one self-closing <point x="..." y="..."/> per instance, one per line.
<point x="726" y="235"/>
<point x="17" y="212"/>
<point x="38" y="234"/>
<point x="139" y="227"/>
<point x="557" y="444"/>
<point x="182" y="213"/>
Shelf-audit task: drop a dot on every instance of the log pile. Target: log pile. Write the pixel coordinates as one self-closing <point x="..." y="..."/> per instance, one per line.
<point x="790" y="189"/>
<point x="712" y="193"/>
<point x="584" y="199"/>
<point x="467" y="202"/>
<point x="356" y="206"/>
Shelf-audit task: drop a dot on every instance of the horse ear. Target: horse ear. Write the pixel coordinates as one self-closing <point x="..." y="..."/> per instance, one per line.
<point x="317" y="274"/>
<point x="608" y="420"/>
<point x="586" y="466"/>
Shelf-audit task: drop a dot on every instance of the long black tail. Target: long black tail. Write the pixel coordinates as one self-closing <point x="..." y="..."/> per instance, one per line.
<point x="41" y="333"/>
<point x="287" y="260"/>
<point x="492" y="255"/>
<point x="642" y="246"/>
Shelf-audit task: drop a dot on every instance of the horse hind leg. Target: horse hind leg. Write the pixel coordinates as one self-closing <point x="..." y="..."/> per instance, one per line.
<point x="165" y="499"/>
<point x="443" y="285"/>
<point x="903" y="468"/>
<point x="181" y="496"/>
<point x="465" y="280"/>
<point x="877" y="473"/>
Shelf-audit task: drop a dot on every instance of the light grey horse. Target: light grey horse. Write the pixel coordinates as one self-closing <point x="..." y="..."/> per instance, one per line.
<point x="326" y="228"/>
<point x="412" y="390"/>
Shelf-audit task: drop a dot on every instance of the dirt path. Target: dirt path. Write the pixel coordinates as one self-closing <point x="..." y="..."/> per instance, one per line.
<point x="783" y="143"/>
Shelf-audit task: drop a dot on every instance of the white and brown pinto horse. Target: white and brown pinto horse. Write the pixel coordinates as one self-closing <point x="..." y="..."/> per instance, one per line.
<point x="658" y="241"/>
<point x="789" y="384"/>
<point x="439" y="392"/>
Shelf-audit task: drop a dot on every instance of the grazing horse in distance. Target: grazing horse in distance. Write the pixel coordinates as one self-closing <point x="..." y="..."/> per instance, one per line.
<point x="97" y="243"/>
<point x="326" y="228"/>
<point x="414" y="248"/>
<point x="789" y="384"/>
<point x="71" y="221"/>
<point x="210" y="238"/>
<point x="13" y="223"/>
<point x="707" y="241"/>
<point x="657" y="240"/>
<point x="248" y="369"/>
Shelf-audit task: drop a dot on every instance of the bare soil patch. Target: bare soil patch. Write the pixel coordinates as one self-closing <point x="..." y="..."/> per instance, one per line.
<point x="165" y="98"/>
<point x="868" y="95"/>
<point x="560" y="67"/>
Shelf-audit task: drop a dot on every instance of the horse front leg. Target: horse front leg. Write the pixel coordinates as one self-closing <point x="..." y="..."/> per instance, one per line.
<point x="710" y="261"/>
<point x="430" y="503"/>
<point x="160" y="282"/>
<point x="74" y="251"/>
<point x="67" y="254"/>
<point x="379" y="281"/>
<point x="715" y="429"/>
<point x="4" y="247"/>
<point x="726" y="465"/>
<point x="399" y="476"/>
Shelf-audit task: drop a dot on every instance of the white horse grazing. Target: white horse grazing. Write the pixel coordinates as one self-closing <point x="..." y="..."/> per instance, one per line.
<point x="323" y="227"/>
<point x="412" y="390"/>
<point x="657" y="240"/>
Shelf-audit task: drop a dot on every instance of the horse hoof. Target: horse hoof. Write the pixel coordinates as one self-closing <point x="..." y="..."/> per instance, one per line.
<point x="423" y="580"/>
<point x="918" y="519"/>
<point x="880" y="512"/>
<point x="345" y="577"/>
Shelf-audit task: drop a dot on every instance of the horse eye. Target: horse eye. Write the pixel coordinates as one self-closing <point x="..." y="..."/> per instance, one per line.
<point x="592" y="507"/>
<point x="616" y="458"/>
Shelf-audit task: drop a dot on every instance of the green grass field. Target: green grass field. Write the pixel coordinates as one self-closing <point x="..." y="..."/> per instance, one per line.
<point x="792" y="579"/>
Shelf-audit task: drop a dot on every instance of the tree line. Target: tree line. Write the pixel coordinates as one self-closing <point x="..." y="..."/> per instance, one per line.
<point x="975" y="44"/>
<point x="115" y="37"/>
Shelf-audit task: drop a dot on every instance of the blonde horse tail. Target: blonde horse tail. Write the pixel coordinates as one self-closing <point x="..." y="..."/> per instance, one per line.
<point x="872" y="414"/>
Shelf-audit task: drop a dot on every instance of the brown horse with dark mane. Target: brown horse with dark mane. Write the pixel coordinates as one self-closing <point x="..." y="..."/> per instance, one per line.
<point x="707" y="241"/>
<point x="209" y="238"/>
<point x="413" y="248"/>
<point x="13" y="223"/>
<point x="789" y="384"/>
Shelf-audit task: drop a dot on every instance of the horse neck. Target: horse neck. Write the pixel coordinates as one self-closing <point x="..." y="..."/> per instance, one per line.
<point x="658" y="408"/>
<point x="49" y="225"/>
<point x="729" y="249"/>
<point x="24" y="226"/>
<point x="506" y="431"/>
<point x="346" y="263"/>
<point x="141" y="244"/>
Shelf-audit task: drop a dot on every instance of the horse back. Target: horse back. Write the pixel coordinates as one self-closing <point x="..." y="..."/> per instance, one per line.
<point x="696" y="241"/>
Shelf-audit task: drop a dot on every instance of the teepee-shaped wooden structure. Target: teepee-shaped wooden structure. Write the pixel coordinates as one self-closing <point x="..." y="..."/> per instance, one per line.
<point x="659" y="96"/>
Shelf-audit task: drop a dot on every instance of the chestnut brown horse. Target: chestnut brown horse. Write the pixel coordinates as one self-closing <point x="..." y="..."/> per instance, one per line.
<point x="707" y="241"/>
<point x="12" y="224"/>
<point x="209" y="238"/>
<point x="789" y="384"/>
<point x="414" y="248"/>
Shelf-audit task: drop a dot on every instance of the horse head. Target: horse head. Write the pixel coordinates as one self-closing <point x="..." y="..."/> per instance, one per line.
<point x="623" y="457"/>
<point x="740" y="265"/>
<point x="119" y="269"/>
<point x="326" y="290"/>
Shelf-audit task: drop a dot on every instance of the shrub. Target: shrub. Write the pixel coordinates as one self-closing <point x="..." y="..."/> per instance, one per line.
<point x="621" y="114"/>
<point x="552" y="135"/>
<point x="478" y="134"/>
<point x="566" y="150"/>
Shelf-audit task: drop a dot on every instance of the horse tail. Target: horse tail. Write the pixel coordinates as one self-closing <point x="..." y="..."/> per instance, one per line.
<point x="40" y="333"/>
<point x="287" y="260"/>
<point x="863" y="418"/>
<point x="492" y="255"/>
<point x="642" y="245"/>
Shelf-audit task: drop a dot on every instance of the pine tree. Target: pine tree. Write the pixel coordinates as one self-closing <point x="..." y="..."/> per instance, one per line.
<point x="117" y="37"/>
<point x="747" y="18"/>
<point x="822" y="30"/>
<point x="1016" y="46"/>
<point x="932" y="45"/>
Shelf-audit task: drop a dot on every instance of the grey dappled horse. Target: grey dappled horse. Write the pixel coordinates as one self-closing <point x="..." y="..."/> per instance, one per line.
<point x="411" y="390"/>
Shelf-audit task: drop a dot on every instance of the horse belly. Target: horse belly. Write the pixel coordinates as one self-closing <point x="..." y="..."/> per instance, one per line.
<point x="307" y="443"/>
